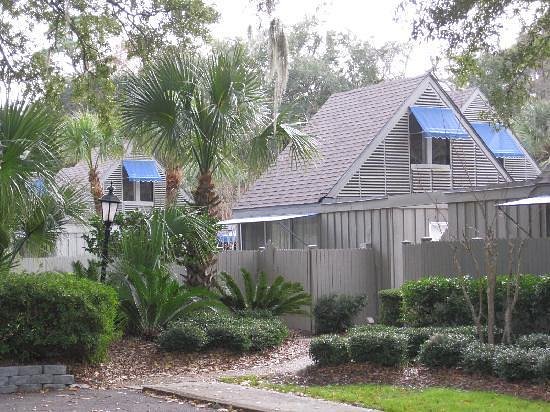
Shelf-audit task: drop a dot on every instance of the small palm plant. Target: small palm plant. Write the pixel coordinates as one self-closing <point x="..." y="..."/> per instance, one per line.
<point x="279" y="298"/>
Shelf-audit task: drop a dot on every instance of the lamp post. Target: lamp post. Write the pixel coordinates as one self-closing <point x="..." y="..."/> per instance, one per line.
<point x="109" y="205"/>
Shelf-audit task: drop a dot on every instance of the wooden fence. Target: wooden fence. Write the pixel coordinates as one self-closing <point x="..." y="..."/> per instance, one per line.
<point x="320" y="271"/>
<point x="459" y="258"/>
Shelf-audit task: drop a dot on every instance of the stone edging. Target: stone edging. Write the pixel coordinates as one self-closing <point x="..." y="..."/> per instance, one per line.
<point x="33" y="378"/>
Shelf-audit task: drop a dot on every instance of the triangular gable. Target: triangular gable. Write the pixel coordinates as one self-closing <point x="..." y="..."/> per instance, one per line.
<point x="430" y="90"/>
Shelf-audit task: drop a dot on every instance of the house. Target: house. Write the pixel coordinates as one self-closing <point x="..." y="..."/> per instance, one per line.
<point x="139" y="182"/>
<point x="388" y="154"/>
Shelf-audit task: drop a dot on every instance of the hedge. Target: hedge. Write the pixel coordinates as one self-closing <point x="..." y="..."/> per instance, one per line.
<point x="381" y="347"/>
<point x="443" y="350"/>
<point x="335" y="313"/>
<point x="439" y="301"/>
<point x="329" y="350"/>
<point x="202" y="330"/>
<point x="55" y="316"/>
<point x="389" y="307"/>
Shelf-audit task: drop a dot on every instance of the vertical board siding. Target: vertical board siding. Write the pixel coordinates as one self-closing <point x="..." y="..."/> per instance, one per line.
<point x="321" y="272"/>
<point x="460" y="258"/>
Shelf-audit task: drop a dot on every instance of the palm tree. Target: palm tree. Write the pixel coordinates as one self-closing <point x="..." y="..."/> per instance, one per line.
<point x="33" y="209"/>
<point x="83" y="139"/>
<point x="204" y="115"/>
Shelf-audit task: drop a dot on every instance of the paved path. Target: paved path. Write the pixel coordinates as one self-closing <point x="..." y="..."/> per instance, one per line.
<point x="251" y="399"/>
<point x="86" y="400"/>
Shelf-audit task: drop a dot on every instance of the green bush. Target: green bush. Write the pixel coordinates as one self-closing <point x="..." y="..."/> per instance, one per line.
<point x="543" y="363"/>
<point x="478" y="358"/>
<point x="335" y="313"/>
<point x="514" y="363"/>
<point x="389" y="309"/>
<point x="232" y="336"/>
<point x="438" y="301"/>
<point x="184" y="337"/>
<point x="329" y="350"/>
<point x="228" y="331"/>
<point x="443" y="350"/>
<point x="383" y="348"/>
<point x="535" y="340"/>
<point x="55" y="316"/>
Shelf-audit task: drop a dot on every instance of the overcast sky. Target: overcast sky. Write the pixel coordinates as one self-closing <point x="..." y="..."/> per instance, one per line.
<point x="373" y="20"/>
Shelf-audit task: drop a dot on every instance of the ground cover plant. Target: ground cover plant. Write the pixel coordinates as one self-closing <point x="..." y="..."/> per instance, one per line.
<point x="397" y="399"/>
<point x="210" y="330"/>
<point x="279" y="298"/>
<point x="335" y="313"/>
<point x="56" y="316"/>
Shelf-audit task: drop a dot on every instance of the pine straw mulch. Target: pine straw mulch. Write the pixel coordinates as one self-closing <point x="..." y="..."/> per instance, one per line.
<point x="414" y="378"/>
<point x="134" y="361"/>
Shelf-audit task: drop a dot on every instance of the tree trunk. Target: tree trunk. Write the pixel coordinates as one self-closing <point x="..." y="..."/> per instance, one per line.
<point x="95" y="189"/>
<point x="491" y="286"/>
<point x="205" y="196"/>
<point x="174" y="177"/>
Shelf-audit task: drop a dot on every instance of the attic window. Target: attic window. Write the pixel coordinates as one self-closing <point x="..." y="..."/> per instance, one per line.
<point x="431" y="129"/>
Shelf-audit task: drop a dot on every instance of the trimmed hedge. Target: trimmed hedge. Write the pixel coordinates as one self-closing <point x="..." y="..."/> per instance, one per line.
<point x="514" y="363"/>
<point x="380" y="347"/>
<point x="56" y="316"/>
<point x="203" y="330"/>
<point x="478" y="358"/>
<point x="329" y="350"/>
<point x="443" y="350"/>
<point x="389" y="307"/>
<point x="439" y="301"/>
<point x="335" y="313"/>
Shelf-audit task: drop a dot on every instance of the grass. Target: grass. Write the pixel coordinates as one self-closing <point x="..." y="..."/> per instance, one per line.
<point x="395" y="399"/>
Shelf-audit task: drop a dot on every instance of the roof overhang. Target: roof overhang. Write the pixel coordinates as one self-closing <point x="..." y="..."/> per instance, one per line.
<point x="272" y="218"/>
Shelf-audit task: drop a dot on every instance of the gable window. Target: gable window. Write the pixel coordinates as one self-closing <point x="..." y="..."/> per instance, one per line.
<point x="431" y="129"/>
<point x="137" y="180"/>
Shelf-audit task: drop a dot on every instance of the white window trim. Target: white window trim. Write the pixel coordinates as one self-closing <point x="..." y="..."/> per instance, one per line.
<point x="137" y="196"/>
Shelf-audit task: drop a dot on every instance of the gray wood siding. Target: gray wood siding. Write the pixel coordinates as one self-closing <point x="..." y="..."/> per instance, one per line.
<point x="388" y="172"/>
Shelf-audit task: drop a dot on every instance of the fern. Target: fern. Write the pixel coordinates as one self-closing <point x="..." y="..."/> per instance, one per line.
<point x="279" y="298"/>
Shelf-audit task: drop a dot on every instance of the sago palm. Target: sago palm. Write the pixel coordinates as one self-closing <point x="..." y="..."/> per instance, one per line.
<point x="279" y="298"/>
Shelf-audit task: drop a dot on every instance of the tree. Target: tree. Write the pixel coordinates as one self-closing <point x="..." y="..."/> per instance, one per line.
<point x="532" y="125"/>
<point x="79" y="43"/>
<point x="471" y="29"/>
<point x="83" y="139"/>
<point x="33" y="208"/>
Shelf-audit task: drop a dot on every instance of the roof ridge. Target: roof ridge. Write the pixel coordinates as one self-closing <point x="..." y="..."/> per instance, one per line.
<point x="384" y="82"/>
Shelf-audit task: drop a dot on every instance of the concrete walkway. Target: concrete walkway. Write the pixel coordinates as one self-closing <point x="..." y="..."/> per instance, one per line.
<point x="250" y="399"/>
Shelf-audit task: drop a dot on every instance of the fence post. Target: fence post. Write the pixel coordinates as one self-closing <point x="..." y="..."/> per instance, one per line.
<point x="310" y="278"/>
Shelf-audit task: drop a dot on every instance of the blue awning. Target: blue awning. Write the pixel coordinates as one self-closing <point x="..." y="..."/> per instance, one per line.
<point x="142" y="170"/>
<point x="438" y="122"/>
<point x="498" y="139"/>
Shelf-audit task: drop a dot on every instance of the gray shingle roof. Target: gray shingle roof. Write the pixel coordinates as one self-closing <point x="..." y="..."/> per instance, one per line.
<point x="461" y="96"/>
<point x="342" y="128"/>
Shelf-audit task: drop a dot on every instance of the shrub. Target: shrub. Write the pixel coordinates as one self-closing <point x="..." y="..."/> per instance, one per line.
<point x="543" y="363"/>
<point x="438" y="301"/>
<point x="535" y="340"/>
<point x="329" y="350"/>
<point x="390" y="307"/>
<point x="225" y="330"/>
<point x="184" y="337"/>
<point x="232" y="336"/>
<point x="383" y="348"/>
<point x="478" y="358"/>
<point x="335" y="313"/>
<point x="55" y="316"/>
<point x="442" y="350"/>
<point x="513" y="363"/>
<point x="279" y="298"/>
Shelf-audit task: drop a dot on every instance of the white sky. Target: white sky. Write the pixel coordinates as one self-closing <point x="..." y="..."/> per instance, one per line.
<point x="372" y="20"/>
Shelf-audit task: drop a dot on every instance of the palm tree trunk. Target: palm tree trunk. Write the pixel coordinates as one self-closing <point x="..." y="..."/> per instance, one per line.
<point x="95" y="189"/>
<point x="174" y="177"/>
<point x="200" y="273"/>
<point x="205" y="196"/>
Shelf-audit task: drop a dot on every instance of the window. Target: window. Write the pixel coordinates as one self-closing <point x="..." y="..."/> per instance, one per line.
<point x="136" y="191"/>
<point x="427" y="150"/>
